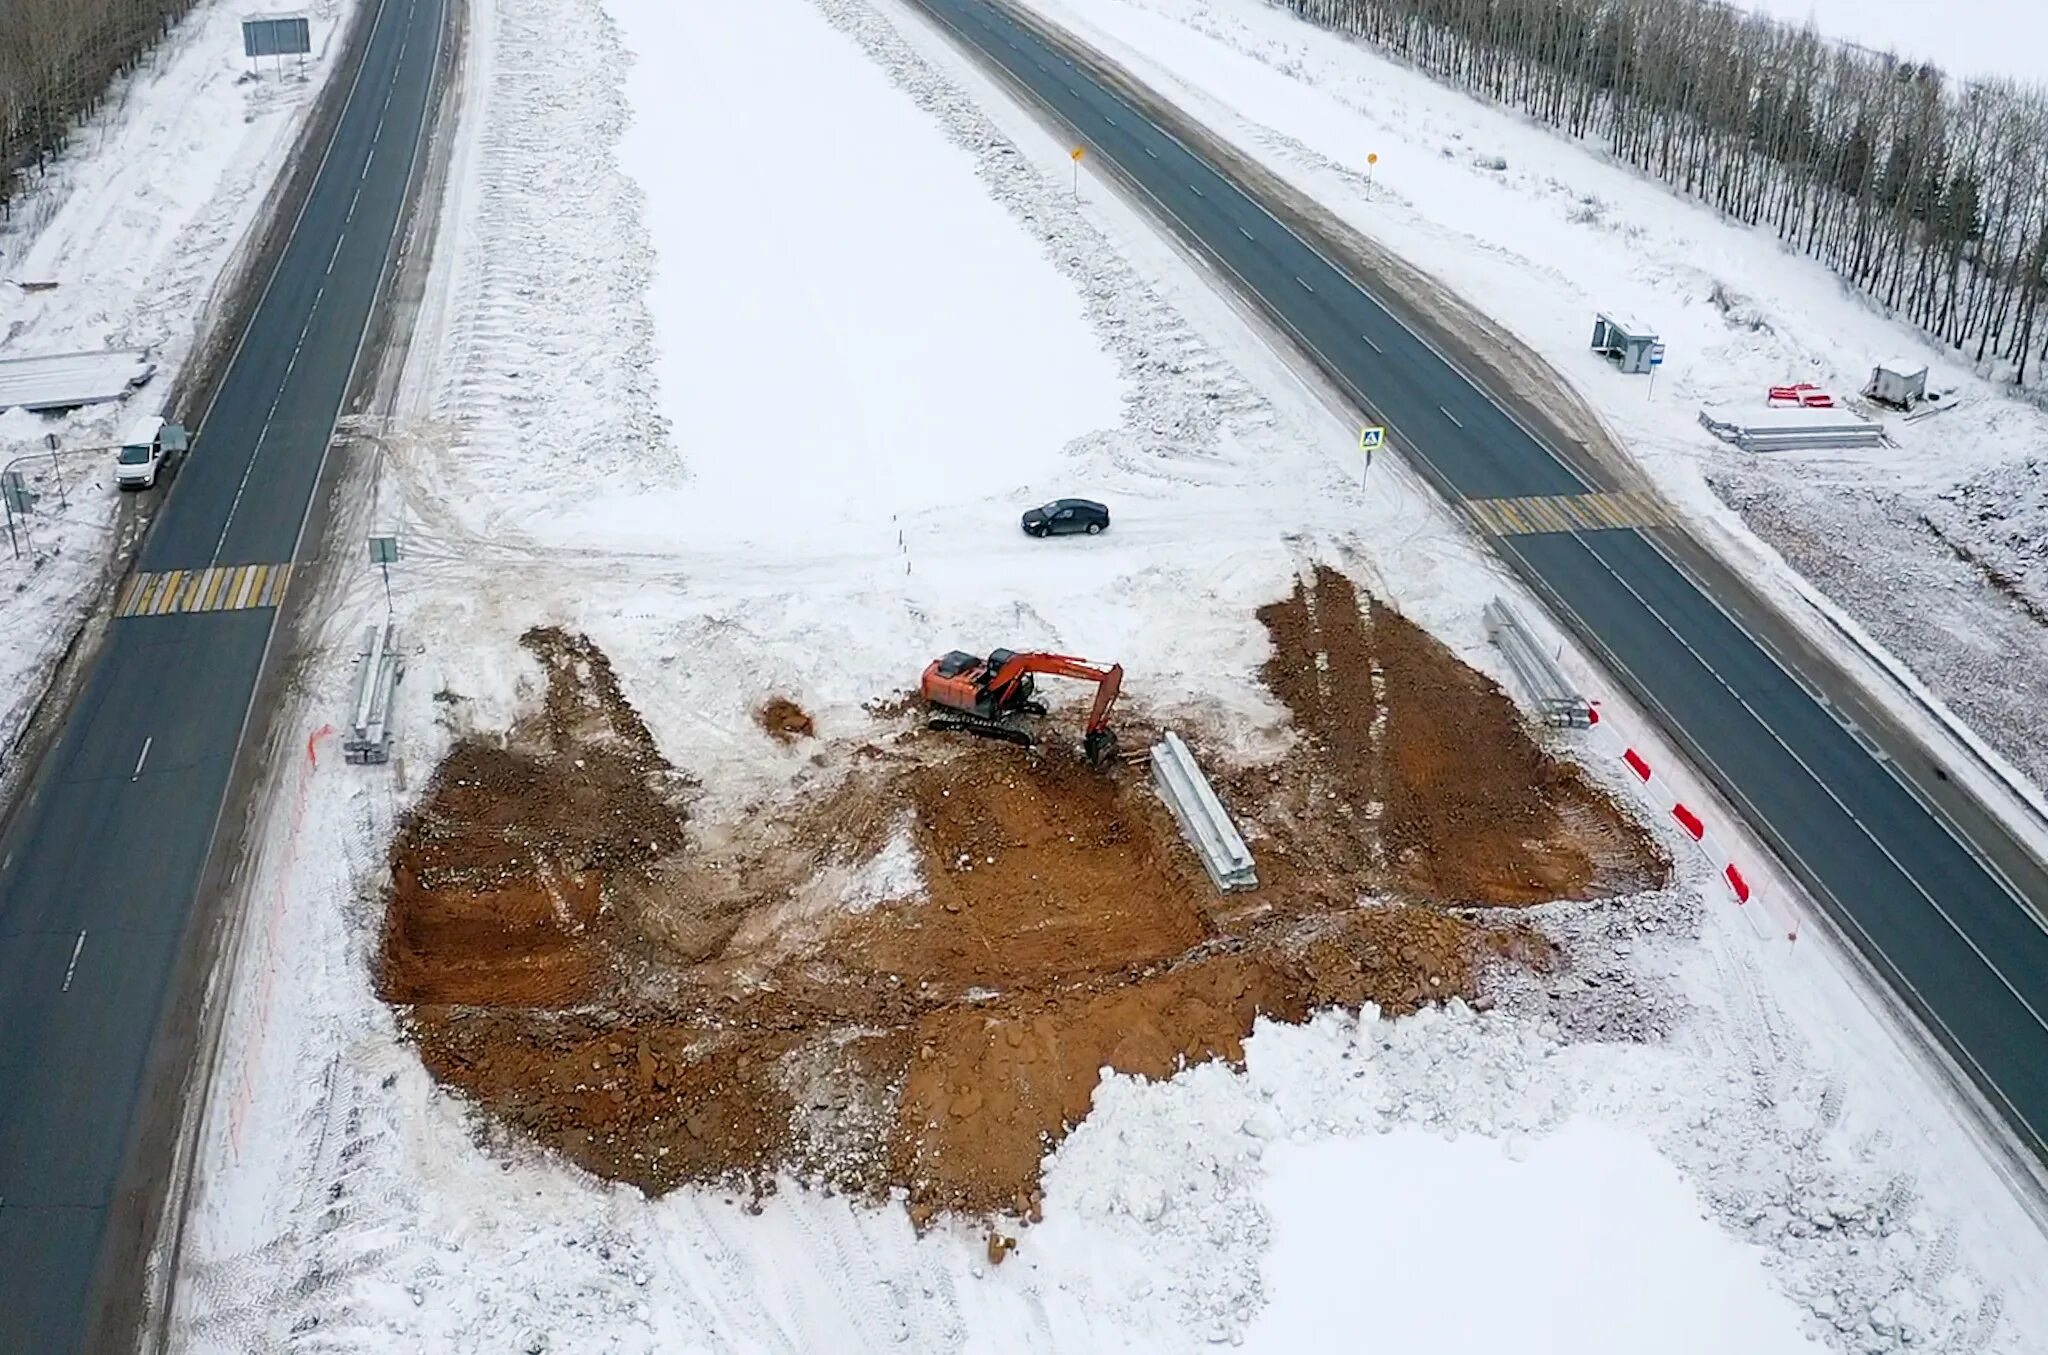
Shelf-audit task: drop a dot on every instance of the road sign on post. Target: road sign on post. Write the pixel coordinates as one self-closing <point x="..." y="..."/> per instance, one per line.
<point x="15" y="496"/>
<point x="383" y="551"/>
<point x="1370" y="439"/>
<point x="1080" y="153"/>
<point x="1371" y="158"/>
<point x="278" y="35"/>
<point x="1656" y="361"/>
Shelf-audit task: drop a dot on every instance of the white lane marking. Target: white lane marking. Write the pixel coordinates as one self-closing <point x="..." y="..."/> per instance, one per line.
<point x="1373" y="346"/>
<point x="1861" y="827"/>
<point x="142" y="758"/>
<point x="1196" y="189"/>
<point x="72" y="968"/>
<point x="1154" y="154"/>
<point x="337" y="252"/>
<point x="1304" y="286"/>
<point x="1448" y="415"/>
<point x="1245" y="233"/>
<point x="263" y="434"/>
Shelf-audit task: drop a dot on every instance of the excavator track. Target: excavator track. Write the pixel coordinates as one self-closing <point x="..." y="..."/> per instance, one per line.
<point x="962" y="723"/>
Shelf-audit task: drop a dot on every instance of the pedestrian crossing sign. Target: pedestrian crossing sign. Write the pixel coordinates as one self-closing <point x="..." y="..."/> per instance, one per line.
<point x="1371" y="437"/>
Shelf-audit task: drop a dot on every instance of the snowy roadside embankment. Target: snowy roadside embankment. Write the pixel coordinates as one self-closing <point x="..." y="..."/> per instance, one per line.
<point x="128" y="240"/>
<point x="1541" y="235"/>
<point x="345" y="1198"/>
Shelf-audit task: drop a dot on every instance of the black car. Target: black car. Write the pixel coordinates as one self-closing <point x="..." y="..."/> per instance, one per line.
<point x="1064" y="516"/>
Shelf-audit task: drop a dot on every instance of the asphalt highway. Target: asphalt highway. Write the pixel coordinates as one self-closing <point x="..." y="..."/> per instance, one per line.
<point x="99" y="866"/>
<point x="1939" y="898"/>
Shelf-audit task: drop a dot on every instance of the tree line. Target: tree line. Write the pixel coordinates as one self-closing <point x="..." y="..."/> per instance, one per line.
<point x="1930" y="195"/>
<point x="57" y="59"/>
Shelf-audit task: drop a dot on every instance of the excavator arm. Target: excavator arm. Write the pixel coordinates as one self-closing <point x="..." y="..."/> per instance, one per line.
<point x="1100" y="741"/>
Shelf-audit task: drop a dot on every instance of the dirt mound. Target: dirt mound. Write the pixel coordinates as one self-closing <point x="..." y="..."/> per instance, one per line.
<point x="1037" y="869"/>
<point x="498" y="876"/>
<point x="914" y="980"/>
<point x="785" y="720"/>
<point x="994" y="1088"/>
<point x="1449" y="793"/>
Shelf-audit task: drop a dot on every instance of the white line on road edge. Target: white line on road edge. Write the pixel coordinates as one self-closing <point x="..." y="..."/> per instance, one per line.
<point x="142" y="758"/>
<point x="72" y="968"/>
<point x="1446" y="413"/>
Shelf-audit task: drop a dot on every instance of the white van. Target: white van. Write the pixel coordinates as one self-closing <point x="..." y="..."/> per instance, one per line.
<point x="141" y="455"/>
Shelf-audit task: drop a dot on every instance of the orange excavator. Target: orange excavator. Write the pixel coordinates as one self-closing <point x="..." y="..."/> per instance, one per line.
<point x="992" y="697"/>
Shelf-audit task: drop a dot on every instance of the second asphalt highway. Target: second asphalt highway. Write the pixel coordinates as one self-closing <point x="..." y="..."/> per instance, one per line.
<point x="1946" y="908"/>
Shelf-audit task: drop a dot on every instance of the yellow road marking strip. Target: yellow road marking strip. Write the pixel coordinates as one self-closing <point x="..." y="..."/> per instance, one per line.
<point x="188" y="595"/>
<point x="259" y="577"/>
<point x="1590" y="512"/>
<point x="238" y="590"/>
<point x="1558" y="512"/>
<point x="128" y="592"/>
<point x="279" y="578"/>
<point x="216" y="585"/>
<point x="173" y="581"/>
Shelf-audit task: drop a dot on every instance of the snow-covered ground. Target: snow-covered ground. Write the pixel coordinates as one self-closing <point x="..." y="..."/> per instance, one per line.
<point x="1974" y="39"/>
<point x="775" y="400"/>
<point x="1540" y="235"/>
<point x="138" y="224"/>
<point x="1561" y="1249"/>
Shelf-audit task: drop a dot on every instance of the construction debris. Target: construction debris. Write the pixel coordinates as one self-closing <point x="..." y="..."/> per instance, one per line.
<point x="1201" y="816"/>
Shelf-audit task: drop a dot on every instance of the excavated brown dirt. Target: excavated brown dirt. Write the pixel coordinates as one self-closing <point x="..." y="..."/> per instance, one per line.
<point x="663" y="1006"/>
<point x="1454" y="798"/>
<point x="785" y="720"/>
<point x="1039" y="869"/>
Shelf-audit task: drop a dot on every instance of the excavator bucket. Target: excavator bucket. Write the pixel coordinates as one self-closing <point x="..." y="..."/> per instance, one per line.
<point x="1099" y="748"/>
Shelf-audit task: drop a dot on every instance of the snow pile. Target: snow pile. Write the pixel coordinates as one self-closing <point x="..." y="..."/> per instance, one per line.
<point x="2006" y="512"/>
<point x="541" y="358"/>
